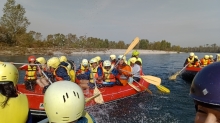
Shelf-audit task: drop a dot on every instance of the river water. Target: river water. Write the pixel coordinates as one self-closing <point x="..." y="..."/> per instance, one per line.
<point x="176" y="107"/>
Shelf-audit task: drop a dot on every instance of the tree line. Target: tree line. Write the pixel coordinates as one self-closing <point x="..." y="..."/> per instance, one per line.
<point x="13" y="32"/>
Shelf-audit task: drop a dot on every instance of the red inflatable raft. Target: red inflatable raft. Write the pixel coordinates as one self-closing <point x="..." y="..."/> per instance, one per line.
<point x="190" y="73"/>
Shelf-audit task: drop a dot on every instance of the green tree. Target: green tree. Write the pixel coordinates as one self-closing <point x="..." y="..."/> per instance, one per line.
<point x="14" y="21"/>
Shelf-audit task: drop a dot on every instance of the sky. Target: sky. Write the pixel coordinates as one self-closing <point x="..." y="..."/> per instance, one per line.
<point x="180" y="22"/>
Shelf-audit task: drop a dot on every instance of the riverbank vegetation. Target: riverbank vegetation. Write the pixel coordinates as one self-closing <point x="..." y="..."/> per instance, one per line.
<point x="15" y="38"/>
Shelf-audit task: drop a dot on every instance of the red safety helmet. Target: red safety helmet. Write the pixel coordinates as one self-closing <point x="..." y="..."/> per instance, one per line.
<point x="31" y="59"/>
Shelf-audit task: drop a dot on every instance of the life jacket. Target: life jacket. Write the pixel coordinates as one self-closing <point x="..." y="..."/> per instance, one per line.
<point x="31" y="73"/>
<point x="109" y="77"/>
<point x="82" y="68"/>
<point x="211" y="61"/>
<point x="205" y="62"/>
<point x="93" y="73"/>
<point x="72" y="75"/>
<point x="126" y="73"/>
<point x="60" y="78"/>
<point x="16" y="109"/>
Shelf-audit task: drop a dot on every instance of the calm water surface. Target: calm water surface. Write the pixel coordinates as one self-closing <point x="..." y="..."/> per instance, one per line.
<point x="176" y="107"/>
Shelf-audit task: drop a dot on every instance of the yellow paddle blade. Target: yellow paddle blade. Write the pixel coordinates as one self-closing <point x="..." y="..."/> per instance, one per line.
<point x="132" y="45"/>
<point x="152" y="79"/>
<point x="98" y="99"/>
<point x="90" y="98"/>
<point x="133" y="86"/>
<point x="163" y="89"/>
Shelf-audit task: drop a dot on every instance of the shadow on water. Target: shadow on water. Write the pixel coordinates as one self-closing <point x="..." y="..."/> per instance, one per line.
<point x="176" y="107"/>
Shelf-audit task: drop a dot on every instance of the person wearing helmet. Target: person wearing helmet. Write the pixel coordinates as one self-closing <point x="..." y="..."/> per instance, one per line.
<point x="66" y="63"/>
<point x="31" y="73"/>
<point x="42" y="81"/>
<point x="100" y="61"/>
<point x="72" y="71"/>
<point x="64" y="101"/>
<point x="205" y="61"/>
<point x="190" y="60"/>
<point x="196" y="62"/>
<point x="109" y="77"/>
<point x="59" y="69"/>
<point x="217" y="59"/>
<point x="205" y="93"/>
<point x="135" y="54"/>
<point x="113" y="59"/>
<point x="96" y="73"/>
<point x="211" y="59"/>
<point x="136" y="69"/>
<point x="14" y="106"/>
<point x="83" y="75"/>
<point x="124" y="71"/>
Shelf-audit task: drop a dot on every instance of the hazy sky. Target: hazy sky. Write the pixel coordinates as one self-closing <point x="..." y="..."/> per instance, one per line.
<point x="181" y="22"/>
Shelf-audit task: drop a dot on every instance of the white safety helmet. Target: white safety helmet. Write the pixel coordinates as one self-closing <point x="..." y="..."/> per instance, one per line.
<point x="210" y="56"/>
<point x="206" y="56"/>
<point x="98" y="58"/>
<point x="64" y="101"/>
<point x="93" y="60"/>
<point x="196" y="57"/>
<point x="112" y="57"/>
<point x="107" y="63"/>
<point x="120" y="57"/>
<point x="191" y="54"/>
<point x="85" y="62"/>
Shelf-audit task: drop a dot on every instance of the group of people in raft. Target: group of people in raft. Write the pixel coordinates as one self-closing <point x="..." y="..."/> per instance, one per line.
<point x="115" y="71"/>
<point x="194" y="61"/>
<point x="64" y="101"/>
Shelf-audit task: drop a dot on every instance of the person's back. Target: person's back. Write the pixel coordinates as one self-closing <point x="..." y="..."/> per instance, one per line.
<point x="59" y="69"/>
<point x="205" y="93"/>
<point x="14" y="107"/>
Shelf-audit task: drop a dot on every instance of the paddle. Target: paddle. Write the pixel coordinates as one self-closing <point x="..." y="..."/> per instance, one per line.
<point x="152" y="79"/>
<point x="173" y="77"/>
<point x="133" y="86"/>
<point x="163" y="89"/>
<point x="145" y="89"/>
<point x="131" y="46"/>
<point x="98" y="99"/>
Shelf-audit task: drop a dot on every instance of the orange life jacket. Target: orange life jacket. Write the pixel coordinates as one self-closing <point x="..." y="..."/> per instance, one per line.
<point x="125" y="73"/>
<point x="205" y="62"/>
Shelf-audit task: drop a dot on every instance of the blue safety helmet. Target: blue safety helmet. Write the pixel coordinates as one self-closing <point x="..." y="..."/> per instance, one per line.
<point x="205" y="87"/>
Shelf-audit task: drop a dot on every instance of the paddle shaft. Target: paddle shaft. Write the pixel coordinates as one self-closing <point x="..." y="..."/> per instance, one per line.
<point x="183" y="68"/>
<point x="143" y="87"/>
<point x="131" y="46"/>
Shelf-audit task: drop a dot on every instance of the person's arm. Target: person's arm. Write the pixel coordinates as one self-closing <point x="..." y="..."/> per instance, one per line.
<point x="99" y="71"/>
<point x="62" y="72"/>
<point x="24" y="67"/>
<point x="114" y="72"/>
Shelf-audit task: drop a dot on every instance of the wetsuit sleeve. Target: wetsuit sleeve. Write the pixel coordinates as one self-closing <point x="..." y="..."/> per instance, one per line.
<point x="114" y="72"/>
<point x="99" y="71"/>
<point x="24" y="67"/>
<point x="61" y="72"/>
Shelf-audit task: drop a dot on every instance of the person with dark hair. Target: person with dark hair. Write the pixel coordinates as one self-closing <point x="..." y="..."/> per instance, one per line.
<point x="205" y="93"/>
<point x="13" y="106"/>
